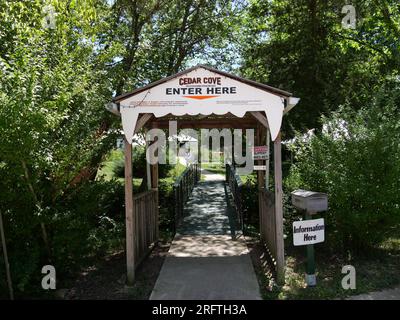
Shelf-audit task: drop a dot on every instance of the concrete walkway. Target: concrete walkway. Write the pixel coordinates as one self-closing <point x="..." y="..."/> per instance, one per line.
<point x="207" y="260"/>
<point x="388" y="294"/>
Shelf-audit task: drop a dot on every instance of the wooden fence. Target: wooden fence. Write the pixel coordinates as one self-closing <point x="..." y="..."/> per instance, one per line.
<point x="145" y="206"/>
<point x="267" y="221"/>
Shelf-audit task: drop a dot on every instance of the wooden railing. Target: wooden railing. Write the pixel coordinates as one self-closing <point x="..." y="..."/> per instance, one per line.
<point x="266" y="202"/>
<point x="183" y="187"/>
<point x="235" y="185"/>
<point x="146" y="224"/>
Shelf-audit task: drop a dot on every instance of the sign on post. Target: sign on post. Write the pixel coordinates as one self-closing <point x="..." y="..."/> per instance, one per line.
<point x="260" y="167"/>
<point x="308" y="232"/>
<point x="260" y="153"/>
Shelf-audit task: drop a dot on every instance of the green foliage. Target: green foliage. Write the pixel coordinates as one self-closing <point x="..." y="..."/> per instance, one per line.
<point x="138" y="163"/>
<point x="89" y="222"/>
<point x="250" y="201"/>
<point x="55" y="131"/>
<point x="54" y="128"/>
<point x="152" y="39"/>
<point x="114" y="165"/>
<point x="301" y="46"/>
<point x="356" y="160"/>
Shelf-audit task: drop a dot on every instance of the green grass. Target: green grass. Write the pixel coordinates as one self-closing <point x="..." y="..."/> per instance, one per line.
<point x="106" y="170"/>
<point x="175" y="171"/>
<point x="379" y="271"/>
<point x="217" y="168"/>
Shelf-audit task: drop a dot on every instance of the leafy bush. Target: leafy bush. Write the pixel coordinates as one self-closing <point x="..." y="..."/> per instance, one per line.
<point x="89" y="221"/>
<point x="114" y="166"/>
<point x="138" y="163"/>
<point x="356" y="161"/>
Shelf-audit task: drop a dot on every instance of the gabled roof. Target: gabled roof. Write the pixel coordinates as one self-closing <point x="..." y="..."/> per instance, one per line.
<point x="225" y="74"/>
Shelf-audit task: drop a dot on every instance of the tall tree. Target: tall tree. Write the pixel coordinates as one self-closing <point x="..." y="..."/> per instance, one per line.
<point x="301" y="46"/>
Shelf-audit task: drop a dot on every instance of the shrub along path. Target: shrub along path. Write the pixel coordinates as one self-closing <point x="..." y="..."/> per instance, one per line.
<point x="208" y="259"/>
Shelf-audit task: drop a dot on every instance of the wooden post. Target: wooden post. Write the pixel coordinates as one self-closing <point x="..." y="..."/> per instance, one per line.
<point x="259" y="140"/>
<point x="268" y="138"/>
<point x="154" y="176"/>
<point x="154" y="185"/>
<point x="280" y="250"/>
<point x="129" y="215"/>
<point x="7" y="265"/>
<point x="148" y="169"/>
<point x="260" y="182"/>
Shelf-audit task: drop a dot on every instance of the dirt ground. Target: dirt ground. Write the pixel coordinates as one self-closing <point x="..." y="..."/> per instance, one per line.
<point x="106" y="280"/>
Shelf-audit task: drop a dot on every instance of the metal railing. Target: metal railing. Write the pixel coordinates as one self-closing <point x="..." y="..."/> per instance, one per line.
<point x="183" y="187"/>
<point x="235" y="185"/>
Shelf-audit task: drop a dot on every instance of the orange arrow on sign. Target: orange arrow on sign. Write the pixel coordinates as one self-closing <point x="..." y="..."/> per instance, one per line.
<point x="200" y="97"/>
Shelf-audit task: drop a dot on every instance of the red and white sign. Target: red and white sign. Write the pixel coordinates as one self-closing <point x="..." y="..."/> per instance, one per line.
<point x="260" y="153"/>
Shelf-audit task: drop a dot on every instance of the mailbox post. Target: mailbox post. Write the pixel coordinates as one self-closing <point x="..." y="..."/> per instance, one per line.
<point x="311" y="279"/>
<point x="311" y="202"/>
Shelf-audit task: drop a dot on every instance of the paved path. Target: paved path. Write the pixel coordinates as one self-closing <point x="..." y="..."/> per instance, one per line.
<point x="207" y="260"/>
<point x="388" y="294"/>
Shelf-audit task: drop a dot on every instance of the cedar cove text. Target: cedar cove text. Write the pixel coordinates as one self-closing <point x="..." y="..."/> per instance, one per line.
<point x="208" y="86"/>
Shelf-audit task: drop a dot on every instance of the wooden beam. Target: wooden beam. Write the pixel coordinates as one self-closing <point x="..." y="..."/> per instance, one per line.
<point x="260" y="182"/>
<point x="260" y="118"/>
<point x="154" y="174"/>
<point x="206" y="124"/>
<point x="129" y="215"/>
<point x="267" y="162"/>
<point x="280" y="250"/>
<point x="148" y="168"/>
<point x="142" y="121"/>
<point x="154" y="185"/>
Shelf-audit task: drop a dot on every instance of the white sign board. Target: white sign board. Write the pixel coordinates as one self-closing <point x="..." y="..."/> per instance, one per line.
<point x="308" y="232"/>
<point x="201" y="91"/>
<point x="260" y="167"/>
<point x="260" y="153"/>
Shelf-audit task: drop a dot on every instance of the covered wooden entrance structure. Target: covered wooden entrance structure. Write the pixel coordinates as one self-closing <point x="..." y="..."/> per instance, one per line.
<point x="202" y="98"/>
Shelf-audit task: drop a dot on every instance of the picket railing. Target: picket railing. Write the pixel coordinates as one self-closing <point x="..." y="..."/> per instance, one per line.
<point x="183" y="187"/>
<point x="235" y="185"/>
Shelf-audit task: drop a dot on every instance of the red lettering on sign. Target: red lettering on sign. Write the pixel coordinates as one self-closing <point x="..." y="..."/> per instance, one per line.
<point x="212" y="80"/>
<point x="184" y="81"/>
